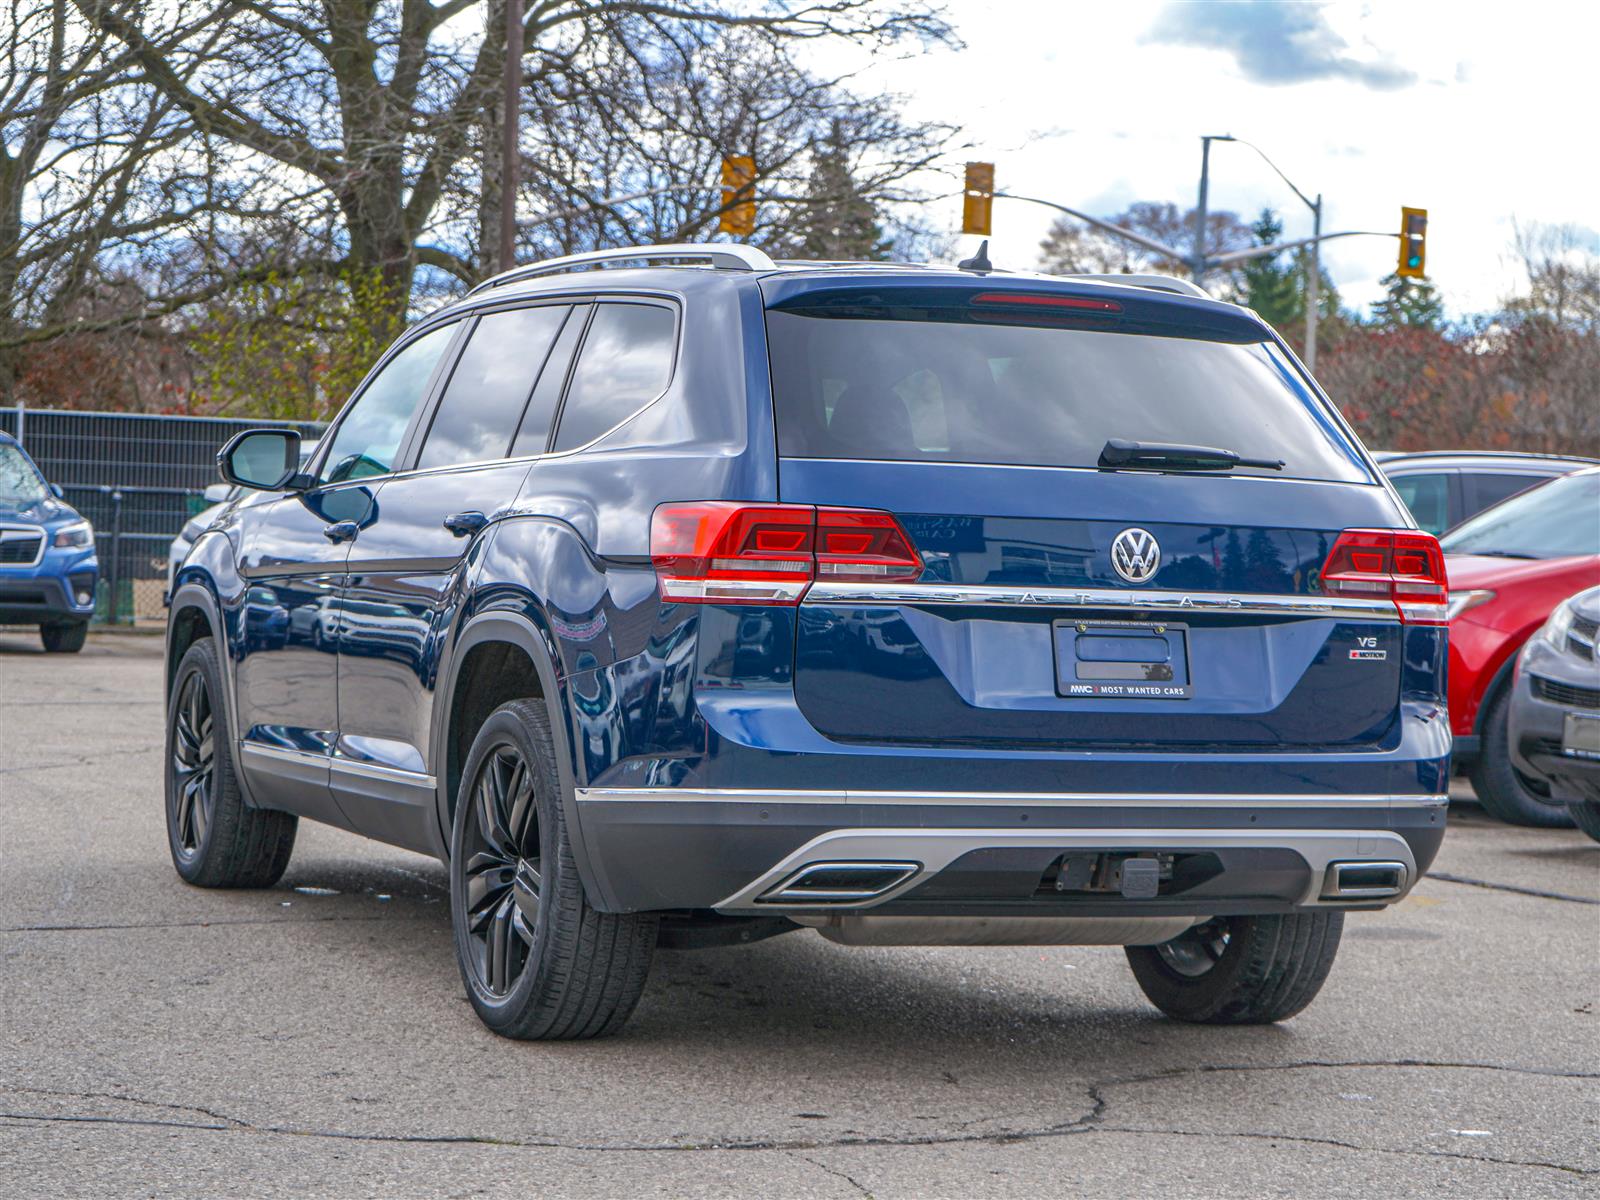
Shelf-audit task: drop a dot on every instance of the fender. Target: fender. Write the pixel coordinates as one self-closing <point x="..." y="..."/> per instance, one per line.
<point x="518" y="630"/>
<point x="195" y="592"/>
<point x="1502" y="673"/>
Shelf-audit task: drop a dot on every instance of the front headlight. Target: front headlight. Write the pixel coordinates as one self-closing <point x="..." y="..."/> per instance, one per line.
<point x="1461" y="601"/>
<point x="77" y="536"/>
<point x="191" y="531"/>
<point x="1558" y="625"/>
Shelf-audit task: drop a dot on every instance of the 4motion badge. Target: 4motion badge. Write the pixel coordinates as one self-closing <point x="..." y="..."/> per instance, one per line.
<point x="1367" y="648"/>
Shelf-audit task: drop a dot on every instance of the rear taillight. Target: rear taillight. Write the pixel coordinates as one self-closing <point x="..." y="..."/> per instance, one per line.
<point x="720" y="552"/>
<point x="1401" y="565"/>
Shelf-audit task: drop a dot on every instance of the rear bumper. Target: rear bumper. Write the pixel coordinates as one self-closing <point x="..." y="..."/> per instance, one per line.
<point x="996" y="854"/>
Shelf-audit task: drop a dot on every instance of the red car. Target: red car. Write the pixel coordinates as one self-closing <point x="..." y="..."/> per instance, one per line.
<point x="1509" y="566"/>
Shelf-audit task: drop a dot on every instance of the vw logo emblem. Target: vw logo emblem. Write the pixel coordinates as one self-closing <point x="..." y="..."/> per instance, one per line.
<point x="1135" y="554"/>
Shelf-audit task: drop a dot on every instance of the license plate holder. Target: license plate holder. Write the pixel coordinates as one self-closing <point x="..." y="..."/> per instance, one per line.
<point x="1580" y="735"/>
<point x="1122" y="660"/>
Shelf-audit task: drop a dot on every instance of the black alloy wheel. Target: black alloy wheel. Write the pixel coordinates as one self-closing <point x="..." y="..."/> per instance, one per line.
<point x="216" y="839"/>
<point x="502" y="869"/>
<point x="537" y="960"/>
<point x="192" y="798"/>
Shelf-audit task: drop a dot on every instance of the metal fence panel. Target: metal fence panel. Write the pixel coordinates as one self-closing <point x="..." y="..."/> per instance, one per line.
<point x="137" y="478"/>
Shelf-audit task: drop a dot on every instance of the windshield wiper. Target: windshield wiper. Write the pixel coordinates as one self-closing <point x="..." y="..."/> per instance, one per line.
<point x="1500" y="554"/>
<point x="1120" y="452"/>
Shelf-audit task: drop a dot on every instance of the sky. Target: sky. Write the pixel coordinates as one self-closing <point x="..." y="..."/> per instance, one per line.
<point x="1484" y="114"/>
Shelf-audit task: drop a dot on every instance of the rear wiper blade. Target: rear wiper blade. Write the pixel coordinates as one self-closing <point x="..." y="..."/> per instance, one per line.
<point x="1120" y="452"/>
<point x="1502" y="554"/>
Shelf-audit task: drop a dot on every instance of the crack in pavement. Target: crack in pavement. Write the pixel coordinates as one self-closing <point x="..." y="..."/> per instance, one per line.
<point x="118" y="755"/>
<point x="1092" y="1121"/>
<point x="207" y="924"/>
<point x="1509" y="887"/>
<point x="1306" y="1139"/>
<point x="836" y="1173"/>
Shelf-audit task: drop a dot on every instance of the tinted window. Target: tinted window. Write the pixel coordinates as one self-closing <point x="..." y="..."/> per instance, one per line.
<point x="534" y="435"/>
<point x="1428" y="498"/>
<point x="368" y="439"/>
<point x="1555" y="520"/>
<point x="625" y="363"/>
<point x="1484" y="490"/>
<point x="957" y="391"/>
<point x="490" y="385"/>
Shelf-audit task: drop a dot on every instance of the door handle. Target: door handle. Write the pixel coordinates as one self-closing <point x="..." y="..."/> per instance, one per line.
<point x="341" y="531"/>
<point x="465" y="524"/>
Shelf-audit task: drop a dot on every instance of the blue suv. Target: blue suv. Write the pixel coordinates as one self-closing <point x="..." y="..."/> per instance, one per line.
<point x="706" y="598"/>
<point x="48" y="567"/>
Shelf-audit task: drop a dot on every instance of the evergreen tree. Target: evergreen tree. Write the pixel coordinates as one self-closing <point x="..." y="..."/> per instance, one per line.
<point x="838" y="221"/>
<point x="1410" y="303"/>
<point x="1274" y="290"/>
<point x="1277" y="289"/>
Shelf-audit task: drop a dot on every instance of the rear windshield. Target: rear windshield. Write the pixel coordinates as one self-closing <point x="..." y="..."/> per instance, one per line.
<point x="1038" y="395"/>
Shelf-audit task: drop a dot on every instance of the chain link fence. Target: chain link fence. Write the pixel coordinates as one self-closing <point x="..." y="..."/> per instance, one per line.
<point x="137" y="478"/>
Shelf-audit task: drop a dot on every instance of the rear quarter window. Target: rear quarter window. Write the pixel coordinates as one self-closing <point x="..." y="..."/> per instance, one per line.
<point x="961" y="390"/>
<point x="625" y="363"/>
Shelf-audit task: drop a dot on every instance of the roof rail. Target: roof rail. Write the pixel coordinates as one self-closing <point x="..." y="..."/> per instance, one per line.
<point x="1161" y="283"/>
<point x="726" y="256"/>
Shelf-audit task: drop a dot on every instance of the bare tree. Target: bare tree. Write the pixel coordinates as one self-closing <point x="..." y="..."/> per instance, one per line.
<point x="371" y="106"/>
<point x="87" y="167"/>
<point x="1073" y="248"/>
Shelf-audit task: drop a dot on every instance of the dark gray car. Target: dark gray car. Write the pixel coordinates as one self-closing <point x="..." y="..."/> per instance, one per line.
<point x="1555" y="708"/>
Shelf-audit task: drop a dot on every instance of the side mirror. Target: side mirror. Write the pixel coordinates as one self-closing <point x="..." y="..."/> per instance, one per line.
<point x="263" y="459"/>
<point x="55" y="490"/>
<point x="216" y="493"/>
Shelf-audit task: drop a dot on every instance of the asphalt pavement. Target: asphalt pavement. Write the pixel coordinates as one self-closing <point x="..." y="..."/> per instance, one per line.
<point x="314" y="1039"/>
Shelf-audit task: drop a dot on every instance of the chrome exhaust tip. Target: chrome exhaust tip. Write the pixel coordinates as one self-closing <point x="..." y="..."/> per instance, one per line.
<point x="839" y="882"/>
<point x="1364" y="880"/>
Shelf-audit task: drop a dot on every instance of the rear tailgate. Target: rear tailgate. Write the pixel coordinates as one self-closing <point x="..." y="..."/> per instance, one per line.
<point x="1019" y="612"/>
<point x="978" y="426"/>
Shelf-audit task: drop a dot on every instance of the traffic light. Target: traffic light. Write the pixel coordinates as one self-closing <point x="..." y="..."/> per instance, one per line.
<point x="1413" y="243"/>
<point x="978" y="198"/>
<point x="738" y="195"/>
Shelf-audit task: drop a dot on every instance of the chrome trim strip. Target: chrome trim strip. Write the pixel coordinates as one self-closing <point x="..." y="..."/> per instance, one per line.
<point x="670" y="795"/>
<point x="24" y="531"/>
<point x="351" y="766"/>
<point x="305" y="758"/>
<point x="1100" y="598"/>
<point x="936" y="849"/>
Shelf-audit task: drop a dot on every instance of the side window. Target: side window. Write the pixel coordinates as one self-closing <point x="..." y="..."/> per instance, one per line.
<point x="369" y="436"/>
<point x="534" y="434"/>
<point x="1484" y="490"/>
<point x="490" y="386"/>
<point x="1428" y="498"/>
<point x="626" y="362"/>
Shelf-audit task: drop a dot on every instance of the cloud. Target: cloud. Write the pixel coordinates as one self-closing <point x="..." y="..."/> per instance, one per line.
<point x="1274" y="43"/>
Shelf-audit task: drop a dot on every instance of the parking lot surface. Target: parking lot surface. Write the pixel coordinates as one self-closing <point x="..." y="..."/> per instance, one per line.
<point x="314" y="1039"/>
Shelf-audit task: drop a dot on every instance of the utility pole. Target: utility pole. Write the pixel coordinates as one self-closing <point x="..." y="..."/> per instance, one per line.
<point x="1198" y="263"/>
<point x="510" y="142"/>
<point x="1314" y="285"/>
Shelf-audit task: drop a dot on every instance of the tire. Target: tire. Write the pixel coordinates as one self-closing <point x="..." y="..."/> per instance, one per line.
<point x="216" y="840"/>
<point x="1240" y="970"/>
<point x="63" y="637"/>
<point x="537" y="961"/>
<point x="1586" y="816"/>
<point x="1505" y="792"/>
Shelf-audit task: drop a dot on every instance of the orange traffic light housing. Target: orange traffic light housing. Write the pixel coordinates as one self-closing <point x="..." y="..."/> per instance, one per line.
<point x="738" y="196"/>
<point x="1413" y="243"/>
<point x="977" y="200"/>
